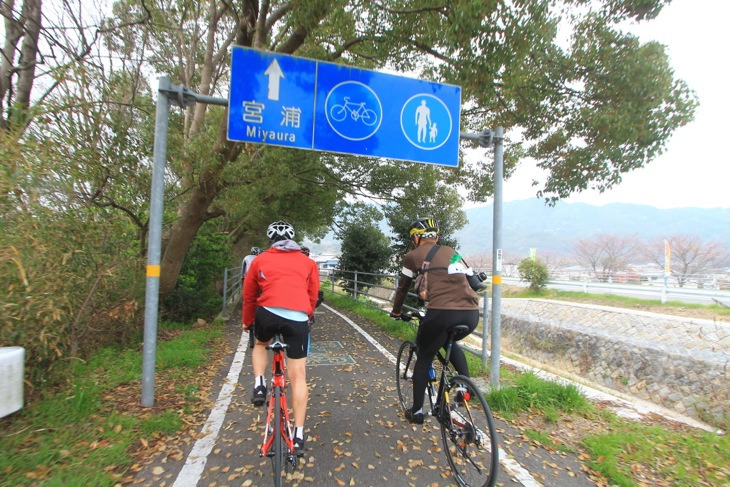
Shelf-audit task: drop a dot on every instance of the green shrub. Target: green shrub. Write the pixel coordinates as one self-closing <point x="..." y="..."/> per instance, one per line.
<point x="72" y="285"/>
<point x="534" y="272"/>
<point x="196" y="294"/>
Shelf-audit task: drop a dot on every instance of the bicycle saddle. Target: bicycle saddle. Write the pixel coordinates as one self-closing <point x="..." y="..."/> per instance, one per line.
<point x="277" y="344"/>
<point x="459" y="329"/>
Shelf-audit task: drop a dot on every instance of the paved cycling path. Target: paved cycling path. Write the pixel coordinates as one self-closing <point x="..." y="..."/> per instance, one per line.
<point x="356" y="434"/>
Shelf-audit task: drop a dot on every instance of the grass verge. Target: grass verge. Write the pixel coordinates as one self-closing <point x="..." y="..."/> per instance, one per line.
<point x="629" y="452"/>
<point x="84" y="434"/>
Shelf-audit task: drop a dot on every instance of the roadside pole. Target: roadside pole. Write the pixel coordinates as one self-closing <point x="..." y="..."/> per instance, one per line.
<point x="488" y="138"/>
<point x="179" y="96"/>
<point x="497" y="258"/>
<point x="152" y="292"/>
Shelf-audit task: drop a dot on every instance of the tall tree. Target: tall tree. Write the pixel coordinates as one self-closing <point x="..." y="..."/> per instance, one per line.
<point x="690" y="257"/>
<point x="424" y="195"/>
<point x="605" y="254"/>
<point x="364" y="246"/>
<point x="44" y="42"/>
<point x="18" y="61"/>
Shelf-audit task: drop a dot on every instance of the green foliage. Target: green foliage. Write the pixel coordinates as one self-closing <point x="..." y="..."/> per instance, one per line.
<point x="529" y="392"/>
<point x="282" y="184"/>
<point x="364" y="246"/>
<point x="535" y="272"/>
<point x="71" y="284"/>
<point x="196" y="294"/>
<point x="425" y="195"/>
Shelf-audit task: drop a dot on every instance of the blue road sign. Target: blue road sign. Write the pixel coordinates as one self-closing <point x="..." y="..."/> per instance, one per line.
<point x="296" y="102"/>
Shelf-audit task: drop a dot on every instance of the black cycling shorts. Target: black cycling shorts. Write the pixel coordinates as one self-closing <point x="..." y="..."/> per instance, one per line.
<point x="294" y="333"/>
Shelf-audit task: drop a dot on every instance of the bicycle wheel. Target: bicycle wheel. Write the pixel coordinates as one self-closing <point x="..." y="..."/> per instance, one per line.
<point x="369" y="117"/>
<point x="468" y="435"/>
<point x="404" y="373"/>
<point x="278" y="447"/>
<point x="338" y="113"/>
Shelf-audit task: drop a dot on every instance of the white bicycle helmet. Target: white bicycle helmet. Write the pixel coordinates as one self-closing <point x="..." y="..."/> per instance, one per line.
<point x="255" y="251"/>
<point x="280" y="230"/>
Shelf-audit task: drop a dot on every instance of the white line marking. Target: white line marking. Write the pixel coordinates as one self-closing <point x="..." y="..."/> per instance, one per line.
<point x="372" y="340"/>
<point x="198" y="456"/>
<point x="511" y="466"/>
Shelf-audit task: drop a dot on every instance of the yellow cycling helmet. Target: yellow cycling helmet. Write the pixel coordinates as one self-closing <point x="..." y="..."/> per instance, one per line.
<point x="424" y="228"/>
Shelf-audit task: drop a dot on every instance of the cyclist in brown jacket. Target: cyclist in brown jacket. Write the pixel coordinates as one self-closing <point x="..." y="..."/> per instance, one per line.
<point x="450" y="301"/>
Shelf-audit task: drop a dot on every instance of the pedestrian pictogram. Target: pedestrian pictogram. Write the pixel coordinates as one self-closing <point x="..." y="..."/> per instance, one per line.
<point x="426" y="122"/>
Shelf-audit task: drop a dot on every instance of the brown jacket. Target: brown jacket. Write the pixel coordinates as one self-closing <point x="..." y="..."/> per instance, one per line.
<point x="445" y="291"/>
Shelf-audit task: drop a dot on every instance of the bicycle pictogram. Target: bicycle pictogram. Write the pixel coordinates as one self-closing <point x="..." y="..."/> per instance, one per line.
<point x="356" y="110"/>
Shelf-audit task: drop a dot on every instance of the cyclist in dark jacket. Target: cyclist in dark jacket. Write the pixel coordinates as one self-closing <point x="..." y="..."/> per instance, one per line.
<point x="449" y="301"/>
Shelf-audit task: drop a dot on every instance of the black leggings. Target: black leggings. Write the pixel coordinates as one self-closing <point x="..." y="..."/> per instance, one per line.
<point x="432" y="335"/>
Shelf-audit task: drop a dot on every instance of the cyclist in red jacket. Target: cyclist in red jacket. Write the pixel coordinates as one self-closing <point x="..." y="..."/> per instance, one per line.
<point x="279" y="295"/>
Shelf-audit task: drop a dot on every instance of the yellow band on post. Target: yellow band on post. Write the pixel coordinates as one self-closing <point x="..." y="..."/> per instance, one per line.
<point x="496" y="279"/>
<point x="153" y="271"/>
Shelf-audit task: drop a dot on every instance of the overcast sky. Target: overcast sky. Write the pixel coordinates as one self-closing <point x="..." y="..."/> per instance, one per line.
<point x="694" y="171"/>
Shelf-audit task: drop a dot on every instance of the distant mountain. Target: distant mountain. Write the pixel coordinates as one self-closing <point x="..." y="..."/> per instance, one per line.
<point x="531" y="224"/>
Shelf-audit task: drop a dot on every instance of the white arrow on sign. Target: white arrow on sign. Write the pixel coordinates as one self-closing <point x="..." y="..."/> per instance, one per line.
<point x="275" y="74"/>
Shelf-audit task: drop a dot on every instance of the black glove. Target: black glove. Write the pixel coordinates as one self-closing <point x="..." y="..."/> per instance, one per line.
<point x="251" y="337"/>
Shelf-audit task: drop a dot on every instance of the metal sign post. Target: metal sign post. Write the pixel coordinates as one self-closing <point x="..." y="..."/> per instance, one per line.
<point x="497" y="257"/>
<point x="179" y="96"/>
<point x="486" y="139"/>
<point x="152" y="292"/>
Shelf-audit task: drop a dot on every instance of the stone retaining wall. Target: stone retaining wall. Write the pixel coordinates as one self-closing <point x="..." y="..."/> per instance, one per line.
<point x="679" y="363"/>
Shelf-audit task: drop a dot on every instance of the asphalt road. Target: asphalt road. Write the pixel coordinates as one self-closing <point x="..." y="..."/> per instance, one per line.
<point x="356" y="433"/>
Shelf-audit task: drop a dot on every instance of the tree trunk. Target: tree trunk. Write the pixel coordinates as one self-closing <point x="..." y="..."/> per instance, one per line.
<point x="15" y="100"/>
<point x="196" y="211"/>
<point x="192" y="216"/>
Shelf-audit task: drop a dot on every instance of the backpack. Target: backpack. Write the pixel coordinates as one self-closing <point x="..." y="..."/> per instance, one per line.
<point x="420" y="285"/>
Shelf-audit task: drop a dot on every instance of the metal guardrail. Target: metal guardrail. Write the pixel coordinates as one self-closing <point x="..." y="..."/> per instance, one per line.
<point x="366" y="285"/>
<point x="231" y="286"/>
<point x="641" y="291"/>
<point x="717" y="281"/>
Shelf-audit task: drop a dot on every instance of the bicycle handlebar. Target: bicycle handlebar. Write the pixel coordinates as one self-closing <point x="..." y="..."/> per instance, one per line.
<point x="410" y="315"/>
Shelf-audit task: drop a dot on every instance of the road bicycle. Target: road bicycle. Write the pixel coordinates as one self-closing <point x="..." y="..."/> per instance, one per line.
<point x="467" y="427"/>
<point x="357" y="111"/>
<point x="278" y="441"/>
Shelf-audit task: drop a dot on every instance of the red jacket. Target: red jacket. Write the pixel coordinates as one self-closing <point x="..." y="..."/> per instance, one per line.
<point x="280" y="279"/>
